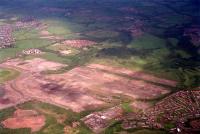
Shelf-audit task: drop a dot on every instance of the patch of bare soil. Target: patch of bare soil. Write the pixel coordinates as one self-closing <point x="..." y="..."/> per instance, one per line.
<point x="78" y="43"/>
<point x="92" y="79"/>
<point x="52" y="37"/>
<point x="135" y="74"/>
<point x="35" y="65"/>
<point x="45" y="33"/>
<point x="79" y="88"/>
<point x="54" y="92"/>
<point x="25" y="119"/>
<point x="65" y="52"/>
<point x="12" y="96"/>
<point x="140" y="105"/>
<point x="4" y="101"/>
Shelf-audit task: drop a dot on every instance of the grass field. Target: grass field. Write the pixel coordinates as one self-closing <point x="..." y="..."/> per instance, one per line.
<point x="22" y="45"/>
<point x="59" y="26"/>
<point x="147" y="41"/>
<point x="7" y="74"/>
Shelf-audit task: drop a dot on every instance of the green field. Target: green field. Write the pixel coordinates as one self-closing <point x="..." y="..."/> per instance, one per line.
<point x="7" y="74"/>
<point x="147" y="41"/>
<point x="20" y="46"/>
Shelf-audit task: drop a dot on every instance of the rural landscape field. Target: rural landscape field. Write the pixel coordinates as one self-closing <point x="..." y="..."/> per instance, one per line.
<point x="99" y="66"/>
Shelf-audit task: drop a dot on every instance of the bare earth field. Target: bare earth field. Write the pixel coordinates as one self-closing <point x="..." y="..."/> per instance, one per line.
<point x="80" y="88"/>
<point x="34" y="65"/>
<point x="27" y="118"/>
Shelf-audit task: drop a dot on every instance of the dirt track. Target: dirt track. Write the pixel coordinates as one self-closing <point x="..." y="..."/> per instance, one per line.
<point x="13" y="94"/>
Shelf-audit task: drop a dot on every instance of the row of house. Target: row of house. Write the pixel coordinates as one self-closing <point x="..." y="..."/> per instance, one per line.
<point x="6" y="38"/>
<point x="31" y="51"/>
<point x="6" y="31"/>
<point x="178" y="109"/>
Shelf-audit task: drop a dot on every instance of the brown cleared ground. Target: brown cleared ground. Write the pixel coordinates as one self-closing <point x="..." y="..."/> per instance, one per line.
<point x="34" y="65"/>
<point x="94" y="79"/>
<point x="25" y="119"/>
<point x="134" y="74"/>
<point x="45" y="33"/>
<point x="81" y="88"/>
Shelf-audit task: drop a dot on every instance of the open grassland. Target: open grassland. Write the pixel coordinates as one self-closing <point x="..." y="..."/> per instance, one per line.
<point x="22" y="45"/>
<point x="59" y="26"/>
<point x="147" y="41"/>
<point x="25" y="34"/>
<point x="102" y="34"/>
<point x="7" y="74"/>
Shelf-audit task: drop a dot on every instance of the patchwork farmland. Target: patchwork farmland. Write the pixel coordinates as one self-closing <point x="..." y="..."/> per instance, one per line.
<point x="99" y="67"/>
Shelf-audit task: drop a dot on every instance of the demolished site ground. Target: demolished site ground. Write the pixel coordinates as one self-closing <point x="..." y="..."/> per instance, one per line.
<point x="82" y="87"/>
